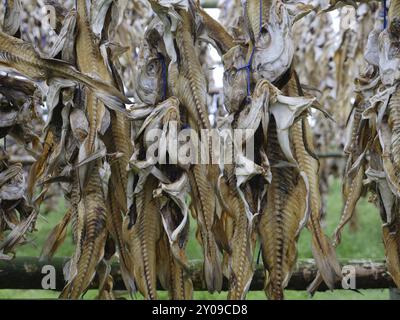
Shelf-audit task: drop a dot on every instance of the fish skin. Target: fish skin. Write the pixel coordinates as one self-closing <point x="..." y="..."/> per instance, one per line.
<point x="38" y="168"/>
<point x="173" y="269"/>
<point x="271" y="47"/>
<point x="241" y="239"/>
<point x="235" y="80"/>
<point x="253" y="15"/>
<point x="355" y="128"/>
<point x="355" y="191"/>
<point x="204" y="202"/>
<point x="391" y="241"/>
<point x="20" y="56"/>
<point x="214" y="29"/>
<point x="172" y="274"/>
<point x="190" y="85"/>
<point x="141" y="237"/>
<point x="89" y="60"/>
<point x="322" y="249"/>
<point x="391" y="230"/>
<point x="114" y="226"/>
<point x="92" y="241"/>
<point x="93" y="238"/>
<point x="394" y="13"/>
<point x="149" y="77"/>
<point x="280" y="219"/>
<point x="56" y="237"/>
<point x="394" y="124"/>
<point x="117" y="140"/>
<point x="120" y="143"/>
<point x="12" y="15"/>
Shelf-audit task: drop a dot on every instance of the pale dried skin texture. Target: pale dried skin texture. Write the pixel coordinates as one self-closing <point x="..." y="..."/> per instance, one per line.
<point x="204" y="203"/>
<point x="241" y="239"/>
<point x="391" y="240"/>
<point x="212" y="31"/>
<point x="20" y="56"/>
<point x="394" y="124"/>
<point x="92" y="239"/>
<point x="120" y="143"/>
<point x="56" y="237"/>
<point x="115" y="227"/>
<point x="149" y="83"/>
<point x="16" y="216"/>
<point x="186" y="78"/>
<point x="322" y="249"/>
<point x="235" y="80"/>
<point x="172" y="269"/>
<point x="169" y="12"/>
<point x="354" y="193"/>
<point x="188" y="84"/>
<point x="12" y="17"/>
<point x="389" y="59"/>
<point x="281" y="220"/>
<point x="89" y="60"/>
<point x="141" y="232"/>
<point x="271" y="37"/>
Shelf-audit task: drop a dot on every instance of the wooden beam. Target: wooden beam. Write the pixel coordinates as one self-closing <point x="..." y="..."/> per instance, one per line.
<point x="26" y="273"/>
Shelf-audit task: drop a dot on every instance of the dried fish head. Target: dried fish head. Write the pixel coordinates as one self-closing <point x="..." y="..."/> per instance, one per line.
<point x="389" y="58"/>
<point x="235" y="79"/>
<point x="273" y="42"/>
<point x="151" y="75"/>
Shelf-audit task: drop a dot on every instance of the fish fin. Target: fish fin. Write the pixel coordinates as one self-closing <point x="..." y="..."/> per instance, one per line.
<point x="107" y="93"/>
<point x="56" y="238"/>
<point x="326" y="261"/>
<point x="213" y="275"/>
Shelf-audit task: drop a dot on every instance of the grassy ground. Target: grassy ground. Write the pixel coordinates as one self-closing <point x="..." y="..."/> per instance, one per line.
<point x="364" y="243"/>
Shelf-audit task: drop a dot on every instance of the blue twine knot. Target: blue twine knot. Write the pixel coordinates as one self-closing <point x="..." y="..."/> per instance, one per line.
<point x="247" y="67"/>
<point x="163" y="75"/>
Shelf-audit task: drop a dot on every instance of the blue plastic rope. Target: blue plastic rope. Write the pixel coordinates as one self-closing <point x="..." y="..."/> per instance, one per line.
<point x="384" y="14"/>
<point x="247" y="67"/>
<point x="163" y="75"/>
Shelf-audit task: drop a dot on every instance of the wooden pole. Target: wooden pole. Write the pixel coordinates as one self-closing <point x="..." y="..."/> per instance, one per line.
<point x="26" y="273"/>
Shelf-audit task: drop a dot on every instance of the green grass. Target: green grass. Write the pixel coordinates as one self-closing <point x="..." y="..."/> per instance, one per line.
<point x="365" y="243"/>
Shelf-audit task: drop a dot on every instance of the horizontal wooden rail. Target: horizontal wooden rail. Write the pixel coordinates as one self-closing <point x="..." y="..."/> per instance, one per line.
<point x="26" y="273"/>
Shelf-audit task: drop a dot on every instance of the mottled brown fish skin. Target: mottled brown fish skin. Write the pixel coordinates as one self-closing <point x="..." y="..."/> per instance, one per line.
<point x="93" y="238"/>
<point x="89" y="61"/>
<point x="394" y="123"/>
<point x="391" y="241"/>
<point x="323" y="251"/>
<point x="241" y="242"/>
<point x="120" y="128"/>
<point x="192" y="92"/>
<point x="354" y="194"/>
<point x="280" y="220"/>
<point x="204" y="203"/>
<point x="180" y="286"/>
<point x="254" y="16"/>
<point x="141" y="239"/>
<point x="216" y="31"/>
<point x="20" y="56"/>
